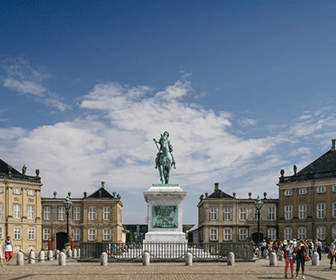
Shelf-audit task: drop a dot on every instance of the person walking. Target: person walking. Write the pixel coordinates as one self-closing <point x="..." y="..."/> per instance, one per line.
<point x="332" y="253"/>
<point x="300" y="252"/>
<point x="289" y="254"/>
<point x="8" y="249"/>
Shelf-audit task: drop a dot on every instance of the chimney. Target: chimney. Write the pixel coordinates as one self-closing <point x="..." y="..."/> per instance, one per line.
<point x="103" y="184"/>
<point x="249" y="194"/>
<point x="234" y="195"/>
<point x="216" y="187"/>
<point x="84" y="194"/>
<point x="55" y="193"/>
<point x="333" y="144"/>
<point x="294" y="169"/>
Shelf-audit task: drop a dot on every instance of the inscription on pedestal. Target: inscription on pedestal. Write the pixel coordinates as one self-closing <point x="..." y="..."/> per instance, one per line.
<point x="164" y="216"/>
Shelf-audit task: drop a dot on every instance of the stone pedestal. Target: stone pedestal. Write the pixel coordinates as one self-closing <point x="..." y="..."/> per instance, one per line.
<point x="164" y="213"/>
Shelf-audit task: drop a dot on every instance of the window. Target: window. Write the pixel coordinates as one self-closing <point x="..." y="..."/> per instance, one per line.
<point x="227" y="213"/>
<point x="243" y="233"/>
<point x="92" y="232"/>
<point x="321" y="232"/>
<point x="17" y="233"/>
<point x="288" y="232"/>
<point x="1" y="211"/>
<point x="271" y="214"/>
<point x="227" y="234"/>
<point x="30" y="192"/>
<point x="334" y="188"/>
<point x="213" y="234"/>
<point x="106" y="213"/>
<point x="76" y="234"/>
<point x="333" y="232"/>
<point x="301" y="234"/>
<point x="213" y="213"/>
<point x="16" y="190"/>
<point x="60" y="213"/>
<point x="17" y="211"/>
<point x="76" y="213"/>
<point x="288" y="192"/>
<point x="92" y="213"/>
<point x="302" y="211"/>
<point x="255" y="214"/>
<point x="321" y="189"/>
<point x="31" y="233"/>
<point x="1" y="189"/>
<point x="0" y="233"/>
<point x="31" y="212"/>
<point x="302" y="191"/>
<point x="333" y="209"/>
<point x="46" y="213"/>
<point x="106" y="234"/>
<point x="288" y="212"/>
<point x="46" y="233"/>
<point x="271" y="233"/>
<point x="243" y="213"/>
<point x="320" y="210"/>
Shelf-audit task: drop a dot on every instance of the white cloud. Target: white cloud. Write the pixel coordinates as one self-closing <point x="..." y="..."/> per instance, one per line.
<point x="24" y="86"/>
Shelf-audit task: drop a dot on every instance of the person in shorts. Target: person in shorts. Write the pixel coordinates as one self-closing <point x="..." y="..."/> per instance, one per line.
<point x="8" y="249"/>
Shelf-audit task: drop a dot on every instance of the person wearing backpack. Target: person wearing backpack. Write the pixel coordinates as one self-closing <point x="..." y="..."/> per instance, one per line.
<point x="8" y="249"/>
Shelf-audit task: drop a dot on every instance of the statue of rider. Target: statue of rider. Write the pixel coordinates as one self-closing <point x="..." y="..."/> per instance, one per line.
<point x="164" y="136"/>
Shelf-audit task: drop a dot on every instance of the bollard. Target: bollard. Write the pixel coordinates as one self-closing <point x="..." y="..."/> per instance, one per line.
<point x="62" y="259"/>
<point x="69" y="253"/>
<point x="146" y="258"/>
<point x="103" y="259"/>
<point x="57" y="254"/>
<point x="78" y="252"/>
<point x="41" y="256"/>
<point x="19" y="258"/>
<point x="74" y="253"/>
<point x="231" y="259"/>
<point x="315" y="259"/>
<point x="272" y="259"/>
<point x="50" y="255"/>
<point x="188" y="259"/>
<point x="31" y="258"/>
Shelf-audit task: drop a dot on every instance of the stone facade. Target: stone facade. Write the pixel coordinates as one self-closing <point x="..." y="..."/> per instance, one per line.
<point x="307" y="200"/>
<point x="225" y="218"/>
<point x="94" y="218"/>
<point x="20" y="207"/>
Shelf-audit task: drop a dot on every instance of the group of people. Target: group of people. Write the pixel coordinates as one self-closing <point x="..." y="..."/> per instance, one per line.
<point x="6" y="250"/>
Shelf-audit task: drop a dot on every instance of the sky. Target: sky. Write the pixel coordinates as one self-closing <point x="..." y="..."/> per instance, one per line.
<point x="245" y="88"/>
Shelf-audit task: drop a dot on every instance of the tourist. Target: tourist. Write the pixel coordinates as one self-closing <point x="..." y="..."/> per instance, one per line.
<point x="301" y="253"/>
<point x="332" y="253"/>
<point x="318" y="245"/>
<point x="289" y="258"/>
<point x="8" y="249"/>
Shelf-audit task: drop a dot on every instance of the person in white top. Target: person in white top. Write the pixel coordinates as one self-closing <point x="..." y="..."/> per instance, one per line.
<point x="8" y="249"/>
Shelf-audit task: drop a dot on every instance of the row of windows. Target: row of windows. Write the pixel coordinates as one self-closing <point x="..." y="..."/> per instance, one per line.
<point x="76" y="213"/>
<point x="17" y="233"/>
<point x="302" y="233"/>
<point x="321" y="210"/>
<point x="243" y="213"/>
<point x="17" y="211"/>
<point x="76" y="234"/>
<point x="303" y="191"/>
<point x="242" y="234"/>
<point x="30" y="192"/>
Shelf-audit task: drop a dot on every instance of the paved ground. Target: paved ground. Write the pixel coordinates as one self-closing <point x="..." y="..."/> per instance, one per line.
<point x="158" y="271"/>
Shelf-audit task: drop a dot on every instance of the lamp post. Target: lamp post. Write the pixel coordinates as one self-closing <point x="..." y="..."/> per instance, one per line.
<point x="258" y="204"/>
<point x="67" y="205"/>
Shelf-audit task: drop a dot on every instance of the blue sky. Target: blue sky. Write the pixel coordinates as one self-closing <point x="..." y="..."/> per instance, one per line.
<point x="245" y="88"/>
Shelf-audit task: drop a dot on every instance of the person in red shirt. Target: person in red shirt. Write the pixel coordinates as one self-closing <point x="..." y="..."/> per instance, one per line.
<point x="8" y="249"/>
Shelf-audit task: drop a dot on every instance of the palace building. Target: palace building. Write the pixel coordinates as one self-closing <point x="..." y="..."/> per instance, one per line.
<point x="20" y="207"/>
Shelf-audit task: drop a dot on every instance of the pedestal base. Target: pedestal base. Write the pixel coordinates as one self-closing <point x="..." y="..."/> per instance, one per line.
<point x="154" y="236"/>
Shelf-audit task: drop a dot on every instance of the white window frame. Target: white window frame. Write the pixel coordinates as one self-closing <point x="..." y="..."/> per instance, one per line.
<point x="46" y="233"/>
<point x="76" y="234"/>
<point x="1" y="189"/>
<point x="1" y="210"/>
<point x="92" y="234"/>
<point x="107" y="234"/>
<point x="271" y="213"/>
<point x="227" y="213"/>
<point x="0" y="233"/>
<point x="288" y="192"/>
<point x="31" y="233"/>
<point x="17" y="211"/>
<point x="321" y="210"/>
<point x="334" y="188"/>
<point x="302" y="191"/>
<point x="213" y="213"/>
<point x="334" y="209"/>
<point x="76" y="213"/>
<point x="46" y="213"/>
<point x="92" y="213"/>
<point x="17" y="191"/>
<point x="321" y="189"/>
<point x="31" y="192"/>
<point x="288" y="212"/>
<point x="61" y="213"/>
<point x="333" y="232"/>
<point x="302" y="211"/>
<point x="213" y="234"/>
<point x="272" y="233"/>
<point x="17" y="233"/>
<point x="301" y="233"/>
<point x="243" y="213"/>
<point x="243" y="234"/>
<point x="321" y="232"/>
<point x="288" y="233"/>
<point x="107" y="213"/>
<point x="31" y="212"/>
<point x="227" y="234"/>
